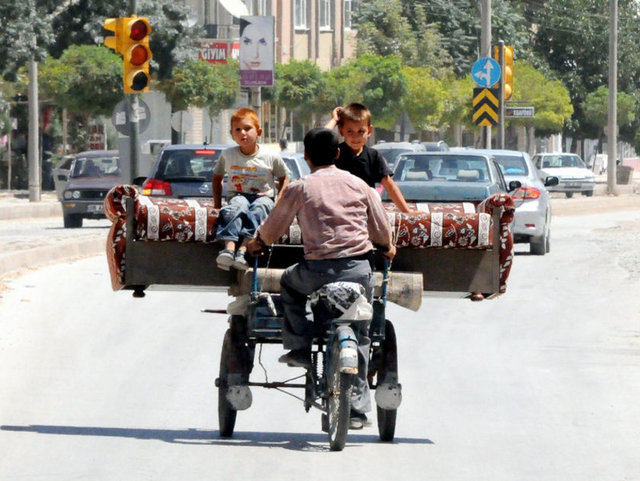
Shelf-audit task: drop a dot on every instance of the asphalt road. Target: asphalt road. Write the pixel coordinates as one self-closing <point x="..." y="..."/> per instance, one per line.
<point x="540" y="384"/>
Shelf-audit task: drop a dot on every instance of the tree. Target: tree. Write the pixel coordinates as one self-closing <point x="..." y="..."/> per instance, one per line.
<point x="377" y="82"/>
<point x="549" y="97"/>
<point x="596" y="110"/>
<point x="85" y="80"/>
<point x="299" y="84"/>
<point x="425" y="99"/>
<point x="205" y="85"/>
<point x="384" y="30"/>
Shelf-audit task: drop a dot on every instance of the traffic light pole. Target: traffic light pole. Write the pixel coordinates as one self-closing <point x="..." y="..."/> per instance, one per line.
<point x="134" y="138"/>
<point x="501" y="97"/>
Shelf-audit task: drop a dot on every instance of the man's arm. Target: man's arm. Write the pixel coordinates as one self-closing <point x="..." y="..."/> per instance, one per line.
<point x="378" y="224"/>
<point x="216" y="185"/>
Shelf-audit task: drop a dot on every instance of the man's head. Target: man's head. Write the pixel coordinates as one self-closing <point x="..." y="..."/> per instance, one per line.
<point x="355" y="126"/>
<point x="321" y="147"/>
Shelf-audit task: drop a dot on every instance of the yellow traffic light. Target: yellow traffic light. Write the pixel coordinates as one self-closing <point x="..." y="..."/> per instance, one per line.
<point x="507" y="69"/>
<point x="113" y="41"/>
<point x="136" y="54"/>
<point x="508" y="72"/>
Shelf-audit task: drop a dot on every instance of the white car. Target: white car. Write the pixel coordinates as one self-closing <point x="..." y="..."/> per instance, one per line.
<point x="532" y="221"/>
<point x="573" y="175"/>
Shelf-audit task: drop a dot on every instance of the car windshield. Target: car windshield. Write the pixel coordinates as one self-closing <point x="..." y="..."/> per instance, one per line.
<point x="188" y="165"/>
<point x="391" y="155"/>
<point x="435" y="168"/>
<point x="511" y="165"/>
<point x="294" y="168"/>
<point x="562" y="161"/>
<point x="96" y="166"/>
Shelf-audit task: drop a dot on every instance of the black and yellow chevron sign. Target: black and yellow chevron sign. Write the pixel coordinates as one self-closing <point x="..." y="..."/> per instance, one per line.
<point x="485" y="107"/>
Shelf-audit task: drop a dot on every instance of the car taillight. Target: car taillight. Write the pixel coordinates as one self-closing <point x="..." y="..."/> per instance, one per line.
<point x="526" y="193"/>
<point x="156" y="187"/>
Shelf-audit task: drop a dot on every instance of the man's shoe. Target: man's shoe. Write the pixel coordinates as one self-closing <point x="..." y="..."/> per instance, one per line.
<point x="358" y="420"/>
<point x="225" y="259"/>
<point x="240" y="263"/>
<point x="297" y="358"/>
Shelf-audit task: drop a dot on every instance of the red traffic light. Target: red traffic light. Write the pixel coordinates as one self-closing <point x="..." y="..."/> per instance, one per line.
<point x="138" y="55"/>
<point x="139" y="30"/>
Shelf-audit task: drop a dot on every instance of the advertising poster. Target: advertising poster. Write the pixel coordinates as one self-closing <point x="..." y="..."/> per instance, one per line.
<point x="256" y="51"/>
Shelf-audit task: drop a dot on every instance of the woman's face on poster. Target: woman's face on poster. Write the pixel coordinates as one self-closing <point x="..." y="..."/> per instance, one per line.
<point x="256" y="48"/>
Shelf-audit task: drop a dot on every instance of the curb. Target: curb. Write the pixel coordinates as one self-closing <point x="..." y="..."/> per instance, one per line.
<point x="54" y="253"/>
<point x="34" y="209"/>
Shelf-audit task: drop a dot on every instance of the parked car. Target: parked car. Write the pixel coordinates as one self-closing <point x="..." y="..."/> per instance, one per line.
<point x="296" y="164"/>
<point x="439" y="146"/>
<point x="573" y="175"/>
<point x="391" y="150"/>
<point x="183" y="171"/>
<point x="82" y="183"/>
<point x="532" y="223"/>
<point x="448" y="177"/>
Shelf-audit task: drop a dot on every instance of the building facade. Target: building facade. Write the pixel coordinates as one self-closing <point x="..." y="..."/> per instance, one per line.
<point x="321" y="31"/>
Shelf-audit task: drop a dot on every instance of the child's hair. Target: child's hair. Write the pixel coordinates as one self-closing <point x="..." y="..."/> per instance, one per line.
<point x="245" y="113"/>
<point x="355" y="112"/>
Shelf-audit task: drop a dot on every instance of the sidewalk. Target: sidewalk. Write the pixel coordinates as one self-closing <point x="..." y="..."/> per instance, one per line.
<point x="15" y="208"/>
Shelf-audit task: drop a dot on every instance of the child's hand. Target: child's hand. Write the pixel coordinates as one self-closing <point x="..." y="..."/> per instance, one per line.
<point x="335" y="114"/>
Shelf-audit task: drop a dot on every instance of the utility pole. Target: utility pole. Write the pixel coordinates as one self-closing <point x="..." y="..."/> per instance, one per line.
<point x="33" y="151"/>
<point x="485" y="51"/>
<point x="501" y="97"/>
<point x="612" y="136"/>
<point x="134" y="126"/>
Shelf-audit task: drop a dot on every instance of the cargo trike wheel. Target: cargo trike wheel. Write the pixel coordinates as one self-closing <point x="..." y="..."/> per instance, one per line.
<point x="388" y="390"/>
<point x="338" y="399"/>
<point x="226" y="413"/>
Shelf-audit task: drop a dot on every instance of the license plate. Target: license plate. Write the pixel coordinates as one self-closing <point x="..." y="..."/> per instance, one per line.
<point x="95" y="208"/>
<point x="573" y="184"/>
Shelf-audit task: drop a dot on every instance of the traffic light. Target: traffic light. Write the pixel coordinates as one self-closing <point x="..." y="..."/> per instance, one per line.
<point x="136" y="53"/>
<point x="114" y="41"/>
<point x="507" y="69"/>
<point x="508" y="72"/>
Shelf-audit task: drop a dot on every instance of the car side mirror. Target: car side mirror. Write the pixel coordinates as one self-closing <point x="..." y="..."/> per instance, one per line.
<point x="551" y="181"/>
<point x="139" y="181"/>
<point x="514" y="184"/>
<point x="62" y="177"/>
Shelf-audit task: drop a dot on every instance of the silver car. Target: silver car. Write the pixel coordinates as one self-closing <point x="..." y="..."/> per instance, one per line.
<point x="532" y="223"/>
<point x="573" y="175"/>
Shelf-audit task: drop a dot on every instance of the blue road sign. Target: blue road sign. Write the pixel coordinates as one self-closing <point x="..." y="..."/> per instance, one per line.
<point x="485" y="72"/>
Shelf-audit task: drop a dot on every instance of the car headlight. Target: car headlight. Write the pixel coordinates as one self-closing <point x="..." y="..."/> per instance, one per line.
<point x="76" y="194"/>
<point x="67" y="194"/>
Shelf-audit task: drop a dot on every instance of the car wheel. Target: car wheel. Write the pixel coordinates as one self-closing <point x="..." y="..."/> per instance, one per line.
<point x="72" y="221"/>
<point x="538" y="245"/>
<point x="588" y="193"/>
<point x="569" y="194"/>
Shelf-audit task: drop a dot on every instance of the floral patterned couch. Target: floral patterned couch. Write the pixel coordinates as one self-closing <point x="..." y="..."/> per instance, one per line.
<point x="460" y="225"/>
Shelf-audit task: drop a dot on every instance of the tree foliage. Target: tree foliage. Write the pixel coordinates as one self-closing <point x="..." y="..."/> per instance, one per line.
<point x="85" y="80"/>
<point x="205" y="85"/>
<point x="299" y="85"/>
<point x="549" y="97"/>
<point x="425" y="99"/>
<point x="375" y="81"/>
<point x="596" y="108"/>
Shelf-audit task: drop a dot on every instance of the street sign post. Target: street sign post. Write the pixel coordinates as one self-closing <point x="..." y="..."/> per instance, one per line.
<point x="519" y="112"/>
<point x="485" y="72"/>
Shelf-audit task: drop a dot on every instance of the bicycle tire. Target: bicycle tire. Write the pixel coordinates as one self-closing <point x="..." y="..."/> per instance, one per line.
<point x="226" y="413"/>
<point x="338" y="399"/>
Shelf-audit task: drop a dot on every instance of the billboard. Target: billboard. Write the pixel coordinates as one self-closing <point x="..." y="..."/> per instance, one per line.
<point x="256" y="50"/>
<point x="218" y="51"/>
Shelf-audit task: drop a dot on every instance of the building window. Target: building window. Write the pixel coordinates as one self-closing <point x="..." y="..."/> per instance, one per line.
<point x="324" y="20"/>
<point x="300" y="14"/>
<point x="264" y="7"/>
<point x="349" y="9"/>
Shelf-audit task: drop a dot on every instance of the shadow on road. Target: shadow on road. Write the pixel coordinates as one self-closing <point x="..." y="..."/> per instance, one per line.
<point x="292" y="441"/>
